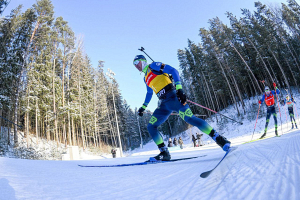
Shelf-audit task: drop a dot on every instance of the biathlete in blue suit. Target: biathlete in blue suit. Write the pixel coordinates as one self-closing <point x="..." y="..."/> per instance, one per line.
<point x="172" y="98"/>
<point x="269" y="98"/>
<point x="290" y="103"/>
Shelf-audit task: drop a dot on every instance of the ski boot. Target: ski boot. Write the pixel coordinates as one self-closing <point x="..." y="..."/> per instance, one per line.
<point x="220" y="140"/>
<point x="263" y="135"/>
<point x="296" y="126"/>
<point x="276" y="133"/>
<point x="292" y="126"/>
<point x="164" y="154"/>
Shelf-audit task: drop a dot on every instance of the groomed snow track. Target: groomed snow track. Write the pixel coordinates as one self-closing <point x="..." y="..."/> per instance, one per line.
<point x="265" y="169"/>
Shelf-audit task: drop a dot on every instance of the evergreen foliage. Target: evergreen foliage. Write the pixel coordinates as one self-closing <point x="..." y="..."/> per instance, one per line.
<point x="49" y="87"/>
<point x="232" y="63"/>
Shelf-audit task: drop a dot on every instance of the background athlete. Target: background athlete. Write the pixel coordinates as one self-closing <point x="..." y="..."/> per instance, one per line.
<point x="268" y="98"/>
<point x="290" y="103"/>
<point x="172" y="98"/>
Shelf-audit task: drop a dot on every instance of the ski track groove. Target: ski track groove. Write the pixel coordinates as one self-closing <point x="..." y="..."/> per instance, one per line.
<point x="265" y="155"/>
<point x="268" y="169"/>
<point x="229" y="168"/>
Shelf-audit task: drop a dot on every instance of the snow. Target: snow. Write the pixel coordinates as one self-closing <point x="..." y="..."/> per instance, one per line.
<point x="264" y="169"/>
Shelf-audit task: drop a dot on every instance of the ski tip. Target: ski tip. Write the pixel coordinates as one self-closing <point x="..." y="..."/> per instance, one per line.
<point x="205" y="174"/>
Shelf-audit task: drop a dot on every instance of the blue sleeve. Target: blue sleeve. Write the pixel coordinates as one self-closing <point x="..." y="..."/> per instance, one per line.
<point x="284" y="102"/>
<point x="171" y="70"/>
<point x="148" y="95"/>
<point x="277" y="91"/>
<point x="262" y="98"/>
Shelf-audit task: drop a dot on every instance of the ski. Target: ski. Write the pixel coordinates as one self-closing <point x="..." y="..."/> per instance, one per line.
<point x="259" y="139"/>
<point x="142" y="163"/>
<point x="207" y="173"/>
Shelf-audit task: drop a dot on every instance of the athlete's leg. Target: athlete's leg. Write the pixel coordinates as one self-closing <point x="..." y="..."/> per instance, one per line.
<point x="275" y="120"/>
<point x="159" y="116"/>
<point x="267" y="123"/>
<point x="267" y="120"/>
<point x="187" y="115"/>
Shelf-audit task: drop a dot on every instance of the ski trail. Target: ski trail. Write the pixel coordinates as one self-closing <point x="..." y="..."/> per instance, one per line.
<point x="264" y="170"/>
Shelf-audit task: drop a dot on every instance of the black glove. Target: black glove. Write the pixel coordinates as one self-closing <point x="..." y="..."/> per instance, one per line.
<point x="141" y="110"/>
<point x="181" y="96"/>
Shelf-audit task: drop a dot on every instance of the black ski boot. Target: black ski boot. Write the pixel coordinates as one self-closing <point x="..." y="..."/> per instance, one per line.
<point x="296" y="125"/>
<point x="220" y="140"/>
<point x="292" y="126"/>
<point x="276" y="133"/>
<point x="263" y="135"/>
<point x="164" y="154"/>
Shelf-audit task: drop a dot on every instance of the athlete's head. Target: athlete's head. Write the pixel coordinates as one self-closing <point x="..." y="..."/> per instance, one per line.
<point x="267" y="90"/>
<point x="287" y="97"/>
<point x="140" y="62"/>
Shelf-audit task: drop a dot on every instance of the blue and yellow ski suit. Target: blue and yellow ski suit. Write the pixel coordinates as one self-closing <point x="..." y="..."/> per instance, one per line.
<point x="157" y="80"/>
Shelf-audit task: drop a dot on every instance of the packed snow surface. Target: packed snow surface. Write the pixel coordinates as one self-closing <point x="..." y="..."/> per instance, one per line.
<point x="264" y="169"/>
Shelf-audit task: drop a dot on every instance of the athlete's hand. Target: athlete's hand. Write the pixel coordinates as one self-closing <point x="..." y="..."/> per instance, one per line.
<point x="274" y="84"/>
<point x="259" y="101"/>
<point x="181" y="96"/>
<point x="141" y="111"/>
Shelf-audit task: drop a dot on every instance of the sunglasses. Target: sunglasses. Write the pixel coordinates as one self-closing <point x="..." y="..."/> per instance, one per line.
<point x="137" y="61"/>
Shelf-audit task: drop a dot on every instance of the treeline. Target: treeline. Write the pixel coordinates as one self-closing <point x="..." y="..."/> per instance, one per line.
<point x="233" y="63"/>
<point x="49" y="87"/>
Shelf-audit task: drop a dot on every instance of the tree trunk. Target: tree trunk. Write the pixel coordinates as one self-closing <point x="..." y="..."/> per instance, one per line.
<point x="17" y="94"/>
<point x="54" y="104"/>
<point x="36" y="121"/>
<point x="232" y="45"/>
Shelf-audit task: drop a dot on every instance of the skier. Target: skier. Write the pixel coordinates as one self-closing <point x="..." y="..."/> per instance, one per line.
<point x="290" y="104"/>
<point x="269" y="99"/>
<point x="157" y="79"/>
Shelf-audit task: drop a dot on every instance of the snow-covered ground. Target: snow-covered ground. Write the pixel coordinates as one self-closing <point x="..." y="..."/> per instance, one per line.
<point x="264" y="169"/>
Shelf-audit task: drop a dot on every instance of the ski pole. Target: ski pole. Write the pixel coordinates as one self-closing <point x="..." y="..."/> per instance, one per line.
<point x="287" y="123"/>
<point x="286" y="119"/>
<point x="256" y="121"/>
<point x="296" y="112"/>
<point x="213" y="111"/>
<point x="142" y="49"/>
<point x="278" y="108"/>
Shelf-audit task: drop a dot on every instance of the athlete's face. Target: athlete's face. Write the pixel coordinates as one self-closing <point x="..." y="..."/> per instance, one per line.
<point x="268" y="92"/>
<point x="138" y="65"/>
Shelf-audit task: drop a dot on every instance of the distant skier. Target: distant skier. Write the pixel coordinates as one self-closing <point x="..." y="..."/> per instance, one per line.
<point x="290" y="103"/>
<point x="269" y="99"/>
<point x="157" y="79"/>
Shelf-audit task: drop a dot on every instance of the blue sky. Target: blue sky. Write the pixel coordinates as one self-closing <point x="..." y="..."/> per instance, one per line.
<point x="114" y="30"/>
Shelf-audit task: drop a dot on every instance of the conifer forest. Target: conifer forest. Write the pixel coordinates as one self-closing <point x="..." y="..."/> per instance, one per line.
<point x="49" y="89"/>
